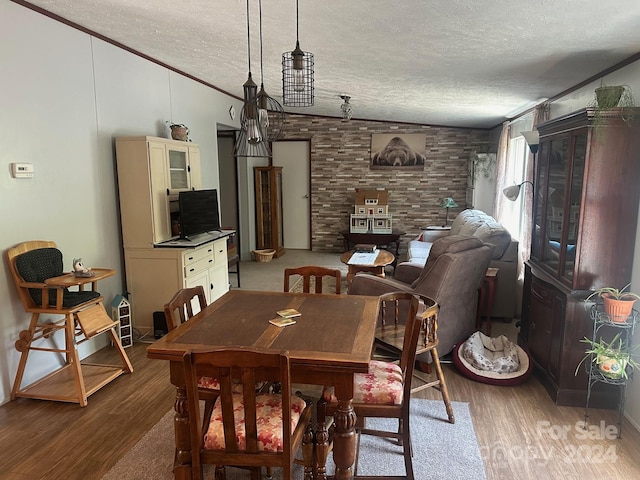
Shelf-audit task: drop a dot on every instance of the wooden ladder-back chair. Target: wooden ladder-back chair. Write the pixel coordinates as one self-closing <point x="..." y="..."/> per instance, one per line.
<point x="390" y="340"/>
<point x="37" y="271"/>
<point x="246" y="428"/>
<point x="180" y="308"/>
<point x="385" y="392"/>
<point x="317" y="273"/>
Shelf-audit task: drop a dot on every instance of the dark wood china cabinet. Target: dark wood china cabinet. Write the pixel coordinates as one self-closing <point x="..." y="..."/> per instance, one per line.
<point x="268" y="191"/>
<point x="585" y="209"/>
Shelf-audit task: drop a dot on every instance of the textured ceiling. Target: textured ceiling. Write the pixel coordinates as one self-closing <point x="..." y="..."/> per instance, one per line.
<point x="470" y="63"/>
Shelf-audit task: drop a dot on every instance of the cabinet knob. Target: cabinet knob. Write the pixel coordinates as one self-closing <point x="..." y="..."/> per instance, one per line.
<point x="211" y="286"/>
<point x="167" y="192"/>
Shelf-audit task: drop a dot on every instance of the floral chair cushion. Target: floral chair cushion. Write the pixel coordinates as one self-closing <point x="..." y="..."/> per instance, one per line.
<point x="211" y="383"/>
<point x="269" y="422"/>
<point x="382" y="385"/>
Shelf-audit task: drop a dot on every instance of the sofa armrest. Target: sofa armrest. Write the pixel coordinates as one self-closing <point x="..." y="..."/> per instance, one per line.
<point x="372" y="285"/>
<point x="408" y="272"/>
<point x="433" y="235"/>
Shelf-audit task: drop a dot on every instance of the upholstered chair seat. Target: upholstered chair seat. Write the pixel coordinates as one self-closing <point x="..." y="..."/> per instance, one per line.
<point x="383" y="384"/>
<point x="269" y="422"/>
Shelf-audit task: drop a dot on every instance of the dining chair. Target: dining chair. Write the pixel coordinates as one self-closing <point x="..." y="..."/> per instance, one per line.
<point x="246" y="428"/>
<point x="312" y="272"/>
<point x="383" y="392"/>
<point x="180" y="308"/>
<point x="389" y="340"/>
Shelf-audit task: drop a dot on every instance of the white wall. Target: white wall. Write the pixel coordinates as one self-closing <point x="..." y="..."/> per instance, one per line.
<point x="64" y="96"/>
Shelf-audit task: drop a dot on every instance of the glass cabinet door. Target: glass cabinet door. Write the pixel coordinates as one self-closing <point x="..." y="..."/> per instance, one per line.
<point x="557" y="206"/>
<point x="572" y="205"/>
<point x="178" y="169"/>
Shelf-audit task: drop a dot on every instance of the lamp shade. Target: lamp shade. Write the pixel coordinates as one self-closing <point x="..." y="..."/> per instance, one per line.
<point x="512" y="192"/>
<point x="533" y="139"/>
<point x="448" y="203"/>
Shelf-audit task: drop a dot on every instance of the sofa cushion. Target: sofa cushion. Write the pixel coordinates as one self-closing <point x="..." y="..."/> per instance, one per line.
<point x="478" y="224"/>
<point x="494" y="233"/>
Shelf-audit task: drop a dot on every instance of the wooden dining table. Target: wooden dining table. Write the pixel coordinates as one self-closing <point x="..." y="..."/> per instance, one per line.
<point x="330" y="342"/>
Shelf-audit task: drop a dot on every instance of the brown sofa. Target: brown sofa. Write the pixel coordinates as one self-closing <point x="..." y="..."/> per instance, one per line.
<point x="478" y="224"/>
<point x="452" y="274"/>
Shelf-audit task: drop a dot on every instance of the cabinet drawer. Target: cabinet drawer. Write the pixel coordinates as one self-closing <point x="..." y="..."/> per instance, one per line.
<point x="196" y="267"/>
<point x="219" y="250"/>
<point x="197" y="254"/>
<point x="542" y="293"/>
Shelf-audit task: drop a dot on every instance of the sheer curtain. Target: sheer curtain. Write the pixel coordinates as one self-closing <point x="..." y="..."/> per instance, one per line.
<point x="514" y="166"/>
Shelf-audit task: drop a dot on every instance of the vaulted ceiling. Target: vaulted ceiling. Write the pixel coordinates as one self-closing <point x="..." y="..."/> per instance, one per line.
<point x="468" y="63"/>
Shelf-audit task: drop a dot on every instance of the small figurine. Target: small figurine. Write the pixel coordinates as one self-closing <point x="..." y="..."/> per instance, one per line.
<point x="80" y="270"/>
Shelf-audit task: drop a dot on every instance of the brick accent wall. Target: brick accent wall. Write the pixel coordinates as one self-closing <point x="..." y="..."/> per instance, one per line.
<point x="340" y="157"/>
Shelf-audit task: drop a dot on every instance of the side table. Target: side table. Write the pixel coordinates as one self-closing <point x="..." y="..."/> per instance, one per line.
<point x="383" y="259"/>
<point x="381" y="240"/>
<point x="486" y="295"/>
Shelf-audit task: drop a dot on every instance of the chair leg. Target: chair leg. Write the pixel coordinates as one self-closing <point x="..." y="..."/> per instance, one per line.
<point x="322" y="440"/>
<point x="407" y="450"/>
<point x="23" y="345"/>
<point x="74" y="360"/>
<point x="443" y="386"/>
<point x="126" y="363"/>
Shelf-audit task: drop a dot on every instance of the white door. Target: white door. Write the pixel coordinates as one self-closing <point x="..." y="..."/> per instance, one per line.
<point x="294" y="158"/>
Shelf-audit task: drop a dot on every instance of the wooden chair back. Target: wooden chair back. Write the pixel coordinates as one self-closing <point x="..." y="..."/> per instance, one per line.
<point x="180" y="308"/>
<point x="37" y="297"/>
<point x="390" y="332"/>
<point x="247" y="367"/>
<point x="315" y="272"/>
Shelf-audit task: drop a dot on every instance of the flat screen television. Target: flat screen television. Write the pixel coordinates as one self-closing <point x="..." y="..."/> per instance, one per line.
<point x="199" y="212"/>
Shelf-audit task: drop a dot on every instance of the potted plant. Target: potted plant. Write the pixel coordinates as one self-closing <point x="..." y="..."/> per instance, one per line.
<point x="611" y="96"/>
<point x="612" y="358"/>
<point x="618" y="303"/>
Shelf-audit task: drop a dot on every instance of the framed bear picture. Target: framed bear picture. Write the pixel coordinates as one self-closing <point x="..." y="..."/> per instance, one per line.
<point x="397" y="150"/>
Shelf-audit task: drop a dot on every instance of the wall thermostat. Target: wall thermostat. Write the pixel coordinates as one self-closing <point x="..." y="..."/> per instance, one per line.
<point x="22" y="170"/>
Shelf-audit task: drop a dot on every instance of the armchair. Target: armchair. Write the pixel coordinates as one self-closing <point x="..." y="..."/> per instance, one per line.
<point x="451" y="276"/>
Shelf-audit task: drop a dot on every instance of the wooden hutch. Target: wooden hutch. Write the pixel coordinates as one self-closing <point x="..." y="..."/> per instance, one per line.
<point x="585" y="209"/>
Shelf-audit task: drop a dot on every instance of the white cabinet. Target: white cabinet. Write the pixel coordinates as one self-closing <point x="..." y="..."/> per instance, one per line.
<point x="151" y="172"/>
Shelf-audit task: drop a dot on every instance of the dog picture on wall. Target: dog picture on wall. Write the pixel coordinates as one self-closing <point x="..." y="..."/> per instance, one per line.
<point x="396" y="150"/>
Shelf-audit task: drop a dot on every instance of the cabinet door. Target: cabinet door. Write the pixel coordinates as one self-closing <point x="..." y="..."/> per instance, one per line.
<point x="161" y="223"/>
<point x="198" y="279"/>
<point x="218" y="282"/>
<point x="195" y="173"/>
<point x="178" y="168"/>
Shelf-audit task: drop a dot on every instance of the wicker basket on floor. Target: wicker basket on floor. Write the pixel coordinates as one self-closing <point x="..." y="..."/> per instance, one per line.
<point x="264" y="255"/>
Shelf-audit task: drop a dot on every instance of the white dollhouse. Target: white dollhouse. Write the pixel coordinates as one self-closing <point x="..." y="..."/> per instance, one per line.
<point x="371" y="212"/>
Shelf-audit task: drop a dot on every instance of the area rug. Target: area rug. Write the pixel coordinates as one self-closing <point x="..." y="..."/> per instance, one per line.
<point x="440" y="450"/>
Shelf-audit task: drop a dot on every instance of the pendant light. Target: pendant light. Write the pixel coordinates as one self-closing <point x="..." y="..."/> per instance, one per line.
<point x="251" y="140"/>
<point x="297" y="75"/>
<point x="270" y="112"/>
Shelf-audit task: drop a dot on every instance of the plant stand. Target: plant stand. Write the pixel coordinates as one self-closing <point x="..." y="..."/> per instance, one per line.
<point x="602" y="321"/>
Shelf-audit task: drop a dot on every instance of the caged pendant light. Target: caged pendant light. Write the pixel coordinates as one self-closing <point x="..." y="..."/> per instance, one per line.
<point x="297" y="75"/>
<point x="270" y="112"/>
<point x="251" y="141"/>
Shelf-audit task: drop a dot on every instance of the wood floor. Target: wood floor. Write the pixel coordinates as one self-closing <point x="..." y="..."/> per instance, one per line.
<point x="521" y="433"/>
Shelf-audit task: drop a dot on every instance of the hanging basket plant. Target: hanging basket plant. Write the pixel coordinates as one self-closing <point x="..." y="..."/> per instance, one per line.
<point x="483" y="165"/>
<point x="608" y="97"/>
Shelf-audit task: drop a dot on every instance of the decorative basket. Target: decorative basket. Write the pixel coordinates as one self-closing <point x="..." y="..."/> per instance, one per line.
<point x="264" y="255"/>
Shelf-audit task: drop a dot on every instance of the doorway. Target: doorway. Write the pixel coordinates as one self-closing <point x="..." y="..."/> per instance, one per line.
<point x="295" y="159"/>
